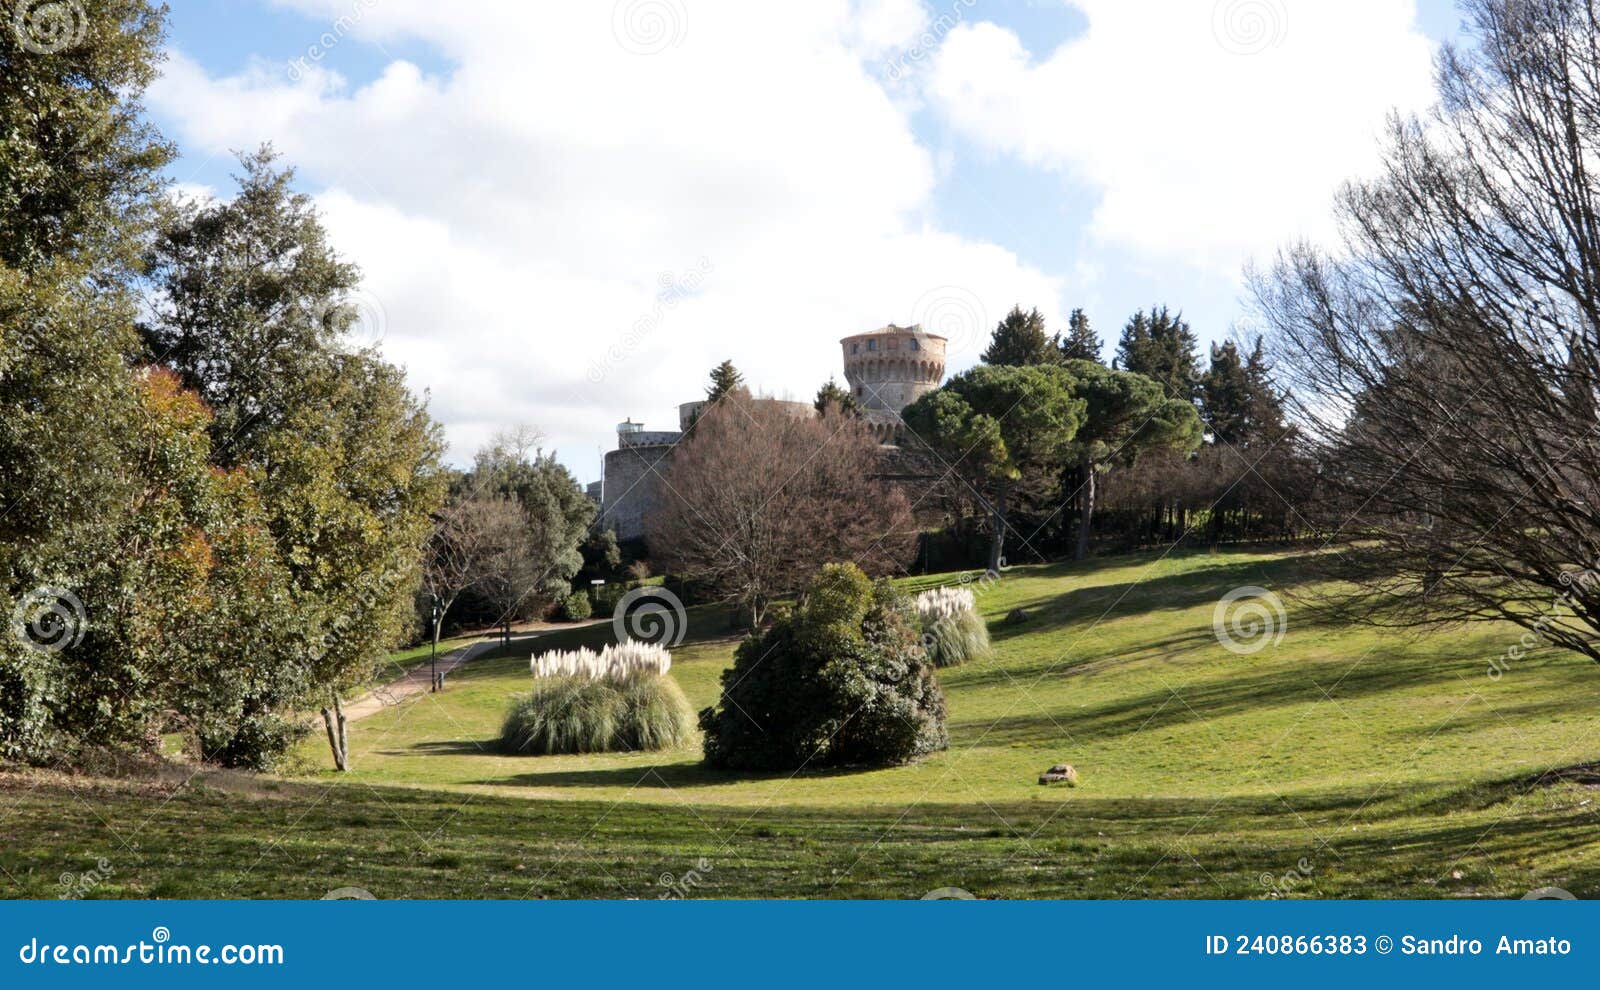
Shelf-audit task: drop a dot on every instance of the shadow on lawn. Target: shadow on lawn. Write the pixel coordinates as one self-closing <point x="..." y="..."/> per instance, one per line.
<point x="1167" y="593"/>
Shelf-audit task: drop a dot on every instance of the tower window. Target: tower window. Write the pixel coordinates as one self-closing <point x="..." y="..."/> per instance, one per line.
<point x="914" y="345"/>
<point x="855" y="348"/>
<point x="872" y="345"/>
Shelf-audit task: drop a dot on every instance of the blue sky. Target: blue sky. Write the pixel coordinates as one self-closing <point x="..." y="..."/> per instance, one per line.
<point x="1000" y="159"/>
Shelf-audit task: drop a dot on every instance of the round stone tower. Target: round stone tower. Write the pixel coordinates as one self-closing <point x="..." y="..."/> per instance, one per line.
<point x="891" y="368"/>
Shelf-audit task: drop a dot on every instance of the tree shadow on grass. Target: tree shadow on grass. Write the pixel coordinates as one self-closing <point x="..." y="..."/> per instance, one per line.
<point x="1167" y="593"/>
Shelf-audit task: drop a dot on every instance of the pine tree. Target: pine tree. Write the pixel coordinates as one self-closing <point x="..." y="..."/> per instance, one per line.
<point x="725" y="381"/>
<point x="1268" y="421"/>
<point x="1161" y="346"/>
<point x="1080" y="343"/>
<point x="1020" y="341"/>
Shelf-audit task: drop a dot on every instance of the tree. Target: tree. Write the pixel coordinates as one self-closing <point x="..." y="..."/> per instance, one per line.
<point x="537" y="569"/>
<point x="1125" y="414"/>
<point x="1445" y="361"/>
<point x="1226" y="399"/>
<point x="833" y="399"/>
<point x="1020" y="340"/>
<point x="1161" y="346"/>
<point x="80" y="182"/>
<point x="1081" y="343"/>
<point x="471" y="534"/>
<point x="725" y="381"/>
<point x="251" y="311"/>
<point x="997" y="427"/>
<point x="756" y="499"/>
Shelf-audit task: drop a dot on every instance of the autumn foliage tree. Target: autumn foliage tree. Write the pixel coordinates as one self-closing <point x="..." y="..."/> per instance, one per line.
<point x="756" y="499"/>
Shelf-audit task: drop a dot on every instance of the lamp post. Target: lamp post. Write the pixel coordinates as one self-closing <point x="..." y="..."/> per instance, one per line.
<point x="433" y="655"/>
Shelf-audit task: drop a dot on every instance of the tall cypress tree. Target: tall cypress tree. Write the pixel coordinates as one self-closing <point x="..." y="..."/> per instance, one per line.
<point x="1225" y="397"/>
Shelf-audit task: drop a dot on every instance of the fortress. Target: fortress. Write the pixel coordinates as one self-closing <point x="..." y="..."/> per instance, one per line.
<point x="887" y="370"/>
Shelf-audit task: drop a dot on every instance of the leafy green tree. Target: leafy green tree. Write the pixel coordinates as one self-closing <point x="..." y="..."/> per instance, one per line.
<point x="1020" y="340"/>
<point x="1081" y="343"/>
<point x="999" y="426"/>
<point x="835" y="398"/>
<point x="1163" y="347"/>
<point x="725" y="381"/>
<point x="254" y="308"/>
<point x="1125" y="414"/>
<point x="80" y="175"/>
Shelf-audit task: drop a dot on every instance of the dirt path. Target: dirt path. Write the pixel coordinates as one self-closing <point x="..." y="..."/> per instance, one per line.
<point x="418" y="680"/>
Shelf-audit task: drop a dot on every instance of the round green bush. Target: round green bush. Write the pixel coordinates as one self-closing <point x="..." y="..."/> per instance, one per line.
<point x="956" y="639"/>
<point x="584" y="715"/>
<point x="575" y="607"/>
<point x="841" y="681"/>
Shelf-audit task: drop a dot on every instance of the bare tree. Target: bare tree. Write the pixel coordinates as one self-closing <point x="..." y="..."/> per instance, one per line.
<point x="757" y="499"/>
<point x="467" y="551"/>
<point x="1447" y="362"/>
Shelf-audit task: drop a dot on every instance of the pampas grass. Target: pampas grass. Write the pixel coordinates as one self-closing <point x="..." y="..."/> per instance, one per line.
<point x="617" y="700"/>
<point x="952" y="630"/>
<point x="612" y="663"/>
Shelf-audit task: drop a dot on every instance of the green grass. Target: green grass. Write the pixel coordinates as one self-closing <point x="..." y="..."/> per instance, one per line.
<point x="1342" y="762"/>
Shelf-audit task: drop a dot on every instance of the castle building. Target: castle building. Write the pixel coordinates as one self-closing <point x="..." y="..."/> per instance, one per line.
<point x="887" y="370"/>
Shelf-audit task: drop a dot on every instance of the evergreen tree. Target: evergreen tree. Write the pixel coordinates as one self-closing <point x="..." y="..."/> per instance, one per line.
<point x="1080" y="343"/>
<point x="834" y="397"/>
<point x="1163" y="347"/>
<point x="725" y="381"/>
<point x="1226" y="402"/>
<point x="1269" y="423"/>
<point x="1020" y="341"/>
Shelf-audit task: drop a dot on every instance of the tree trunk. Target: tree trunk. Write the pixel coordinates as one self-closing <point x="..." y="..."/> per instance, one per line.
<point x="334" y="721"/>
<point x="997" y="547"/>
<point x="1086" y="515"/>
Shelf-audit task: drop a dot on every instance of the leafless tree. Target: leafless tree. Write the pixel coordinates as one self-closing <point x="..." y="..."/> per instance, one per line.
<point x="468" y="550"/>
<point x="1447" y="361"/>
<point x="757" y="499"/>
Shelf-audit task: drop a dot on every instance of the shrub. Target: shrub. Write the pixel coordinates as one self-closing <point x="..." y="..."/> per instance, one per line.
<point x="842" y="681"/>
<point x="597" y="715"/>
<point x="952" y="630"/>
<point x="575" y="607"/>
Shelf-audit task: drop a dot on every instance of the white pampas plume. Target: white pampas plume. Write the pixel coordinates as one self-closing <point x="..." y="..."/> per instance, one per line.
<point x="612" y="663"/>
<point x="938" y="604"/>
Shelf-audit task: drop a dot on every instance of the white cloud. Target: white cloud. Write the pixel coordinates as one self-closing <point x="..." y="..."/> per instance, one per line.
<point x="1208" y="129"/>
<point x="518" y="215"/>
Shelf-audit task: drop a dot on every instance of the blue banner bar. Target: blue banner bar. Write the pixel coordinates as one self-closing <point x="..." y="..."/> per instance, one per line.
<point x="763" y="944"/>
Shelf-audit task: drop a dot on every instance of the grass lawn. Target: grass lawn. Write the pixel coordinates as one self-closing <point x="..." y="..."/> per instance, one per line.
<point x="1341" y="762"/>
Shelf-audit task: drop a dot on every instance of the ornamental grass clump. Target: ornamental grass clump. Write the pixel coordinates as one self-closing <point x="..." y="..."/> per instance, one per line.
<point x="617" y="700"/>
<point x="952" y="630"/>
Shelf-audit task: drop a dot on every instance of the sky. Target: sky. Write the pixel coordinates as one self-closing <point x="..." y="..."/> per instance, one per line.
<point x="568" y="211"/>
